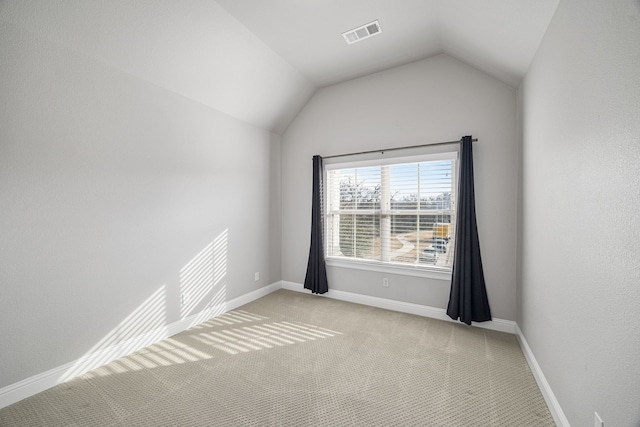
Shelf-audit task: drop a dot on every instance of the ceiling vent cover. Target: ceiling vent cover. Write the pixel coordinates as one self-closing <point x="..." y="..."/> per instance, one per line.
<point x="362" y="32"/>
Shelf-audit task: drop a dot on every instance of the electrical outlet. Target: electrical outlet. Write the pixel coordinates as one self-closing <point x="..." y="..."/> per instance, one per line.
<point x="257" y="275"/>
<point x="385" y="282"/>
<point x="597" y="421"/>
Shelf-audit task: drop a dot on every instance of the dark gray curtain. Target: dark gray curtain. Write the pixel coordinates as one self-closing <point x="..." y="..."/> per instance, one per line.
<point x="316" y="278"/>
<point x="468" y="298"/>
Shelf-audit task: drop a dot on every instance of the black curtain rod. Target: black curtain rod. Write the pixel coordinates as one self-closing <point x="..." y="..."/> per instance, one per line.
<point x="396" y="148"/>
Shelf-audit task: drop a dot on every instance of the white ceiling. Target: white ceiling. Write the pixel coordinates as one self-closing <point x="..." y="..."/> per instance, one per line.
<point x="261" y="60"/>
<point x="499" y="37"/>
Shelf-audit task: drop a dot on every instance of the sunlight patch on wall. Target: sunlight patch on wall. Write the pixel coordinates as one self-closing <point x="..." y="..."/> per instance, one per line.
<point x="202" y="274"/>
<point x="202" y="289"/>
<point x="144" y="326"/>
<point x="263" y="336"/>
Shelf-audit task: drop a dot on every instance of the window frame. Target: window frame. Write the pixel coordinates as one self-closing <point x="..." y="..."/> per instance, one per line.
<point x="390" y="267"/>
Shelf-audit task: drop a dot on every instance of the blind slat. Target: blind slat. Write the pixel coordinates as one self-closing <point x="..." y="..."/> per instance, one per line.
<point x="393" y="213"/>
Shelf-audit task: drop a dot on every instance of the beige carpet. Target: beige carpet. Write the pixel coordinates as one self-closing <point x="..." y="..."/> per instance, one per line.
<point x="292" y="359"/>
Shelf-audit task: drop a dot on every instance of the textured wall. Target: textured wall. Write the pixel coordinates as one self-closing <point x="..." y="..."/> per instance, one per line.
<point x="438" y="99"/>
<point x="580" y="290"/>
<point x="119" y="198"/>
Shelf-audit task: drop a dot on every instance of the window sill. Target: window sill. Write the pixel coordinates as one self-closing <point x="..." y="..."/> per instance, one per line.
<point x="406" y="270"/>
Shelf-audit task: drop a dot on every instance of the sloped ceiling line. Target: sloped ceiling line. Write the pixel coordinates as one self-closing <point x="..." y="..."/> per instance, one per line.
<point x="261" y="60"/>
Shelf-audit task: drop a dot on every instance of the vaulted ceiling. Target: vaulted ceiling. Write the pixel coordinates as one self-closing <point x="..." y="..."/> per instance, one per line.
<point x="261" y="60"/>
<point x="499" y="37"/>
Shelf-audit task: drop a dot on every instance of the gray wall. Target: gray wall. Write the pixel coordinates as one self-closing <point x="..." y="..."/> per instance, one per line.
<point x="580" y="261"/>
<point x="109" y="187"/>
<point x="438" y="99"/>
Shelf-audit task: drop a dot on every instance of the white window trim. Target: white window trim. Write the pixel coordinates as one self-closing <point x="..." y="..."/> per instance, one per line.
<point x="438" y="273"/>
<point x="390" y="268"/>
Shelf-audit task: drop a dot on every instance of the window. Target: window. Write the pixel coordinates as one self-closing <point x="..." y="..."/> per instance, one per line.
<point x="400" y="212"/>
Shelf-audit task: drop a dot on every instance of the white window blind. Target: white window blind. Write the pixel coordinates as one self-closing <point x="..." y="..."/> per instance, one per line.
<point x="400" y="212"/>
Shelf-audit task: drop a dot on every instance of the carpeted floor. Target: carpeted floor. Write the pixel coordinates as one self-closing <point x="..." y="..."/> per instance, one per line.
<point x="292" y="359"/>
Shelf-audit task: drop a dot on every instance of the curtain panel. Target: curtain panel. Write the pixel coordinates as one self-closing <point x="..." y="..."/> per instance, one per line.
<point x="316" y="277"/>
<point x="468" y="297"/>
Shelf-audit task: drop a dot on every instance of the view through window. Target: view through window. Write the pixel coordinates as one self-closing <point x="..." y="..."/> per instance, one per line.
<point x="397" y="213"/>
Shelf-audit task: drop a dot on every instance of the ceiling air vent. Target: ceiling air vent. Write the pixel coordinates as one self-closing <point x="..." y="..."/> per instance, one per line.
<point x="363" y="32"/>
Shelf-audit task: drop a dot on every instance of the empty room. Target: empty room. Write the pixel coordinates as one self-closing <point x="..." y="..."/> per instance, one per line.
<point x="320" y="213"/>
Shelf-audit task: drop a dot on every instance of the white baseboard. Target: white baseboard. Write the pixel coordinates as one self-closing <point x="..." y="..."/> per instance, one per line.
<point x="217" y="310"/>
<point x="40" y="382"/>
<point x="553" y="404"/>
<point x="404" y="307"/>
<point x="252" y="296"/>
